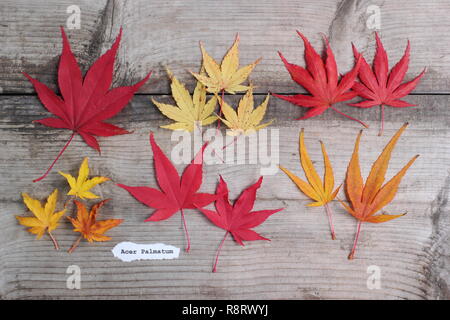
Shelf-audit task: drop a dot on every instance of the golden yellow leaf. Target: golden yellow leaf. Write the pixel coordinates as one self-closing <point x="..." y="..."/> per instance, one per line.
<point x="45" y="218"/>
<point x="87" y="224"/>
<point x="369" y="198"/>
<point x="80" y="187"/>
<point x="226" y="77"/>
<point x="247" y="119"/>
<point x="189" y="111"/>
<point x="321" y="192"/>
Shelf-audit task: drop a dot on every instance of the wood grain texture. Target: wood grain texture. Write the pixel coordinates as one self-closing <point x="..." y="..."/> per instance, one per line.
<point x="161" y="33"/>
<point x="301" y="261"/>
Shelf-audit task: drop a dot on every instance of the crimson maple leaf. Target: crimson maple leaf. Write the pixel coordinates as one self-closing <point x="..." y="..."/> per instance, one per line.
<point x="321" y="80"/>
<point x="87" y="102"/>
<point x="378" y="87"/>
<point x="237" y="219"/>
<point x="177" y="194"/>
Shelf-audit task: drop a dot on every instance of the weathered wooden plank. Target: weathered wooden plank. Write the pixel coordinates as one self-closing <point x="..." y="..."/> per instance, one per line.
<point x="159" y="33"/>
<point x="31" y="39"/>
<point x="300" y="261"/>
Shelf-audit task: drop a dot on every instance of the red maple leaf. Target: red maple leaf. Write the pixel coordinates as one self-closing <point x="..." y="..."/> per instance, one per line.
<point x="382" y="89"/>
<point x="321" y="80"/>
<point x="177" y="194"/>
<point x="237" y="219"/>
<point x="87" y="102"/>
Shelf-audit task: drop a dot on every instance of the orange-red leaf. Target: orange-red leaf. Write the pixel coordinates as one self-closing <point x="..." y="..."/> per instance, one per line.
<point x="321" y="80"/>
<point x="369" y="198"/>
<point x="87" y="224"/>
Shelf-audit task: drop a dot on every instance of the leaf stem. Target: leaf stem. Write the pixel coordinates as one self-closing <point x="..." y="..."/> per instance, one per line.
<point x="358" y="230"/>
<point x="351" y="118"/>
<point x="330" y="220"/>
<point x="218" y="251"/>
<point x="382" y="120"/>
<point x="220" y="111"/>
<point x="56" y="159"/>
<point x="218" y="124"/>
<point x="188" y="247"/>
<point x="232" y="142"/>
<point x="55" y="243"/>
<point x="75" y="244"/>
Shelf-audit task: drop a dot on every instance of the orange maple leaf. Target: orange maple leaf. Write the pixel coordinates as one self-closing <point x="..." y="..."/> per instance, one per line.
<point x="88" y="226"/>
<point x="369" y="198"/>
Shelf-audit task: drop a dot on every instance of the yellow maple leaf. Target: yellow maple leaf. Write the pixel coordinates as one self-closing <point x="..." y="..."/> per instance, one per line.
<point x="45" y="218"/>
<point x="190" y="111"/>
<point x="321" y="192"/>
<point x="87" y="224"/>
<point x="247" y="119"/>
<point x="226" y="77"/>
<point x="81" y="186"/>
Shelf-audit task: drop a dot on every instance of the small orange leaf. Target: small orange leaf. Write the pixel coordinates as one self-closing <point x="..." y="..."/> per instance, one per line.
<point x="369" y="198"/>
<point x="87" y="224"/>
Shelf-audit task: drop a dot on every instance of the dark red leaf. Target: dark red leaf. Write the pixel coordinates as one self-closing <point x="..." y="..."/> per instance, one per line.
<point x="239" y="218"/>
<point x="379" y="88"/>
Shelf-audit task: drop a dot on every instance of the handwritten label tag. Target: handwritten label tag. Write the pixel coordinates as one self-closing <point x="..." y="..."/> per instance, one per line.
<point x="130" y="251"/>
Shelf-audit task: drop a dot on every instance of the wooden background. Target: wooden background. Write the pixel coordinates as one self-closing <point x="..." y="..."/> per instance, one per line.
<point x="301" y="261"/>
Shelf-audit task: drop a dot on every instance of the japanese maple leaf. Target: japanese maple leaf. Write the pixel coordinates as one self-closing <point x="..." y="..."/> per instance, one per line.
<point x="321" y="192"/>
<point x="321" y="80"/>
<point x="45" y="218"/>
<point x="85" y="103"/>
<point x="237" y="219"/>
<point x="80" y="187"/>
<point x="369" y="198"/>
<point x="226" y="77"/>
<point x="381" y="88"/>
<point x="247" y="119"/>
<point x="176" y="193"/>
<point x="190" y="111"/>
<point x="87" y="224"/>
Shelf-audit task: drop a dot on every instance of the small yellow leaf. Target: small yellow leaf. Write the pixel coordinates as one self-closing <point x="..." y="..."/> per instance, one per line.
<point x="45" y="218"/>
<point x="321" y="192"/>
<point x="247" y="119"/>
<point x="190" y="111"/>
<point x="82" y="186"/>
<point x="226" y="77"/>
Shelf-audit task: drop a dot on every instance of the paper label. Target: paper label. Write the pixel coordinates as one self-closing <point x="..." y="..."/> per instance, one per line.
<point x="129" y="251"/>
